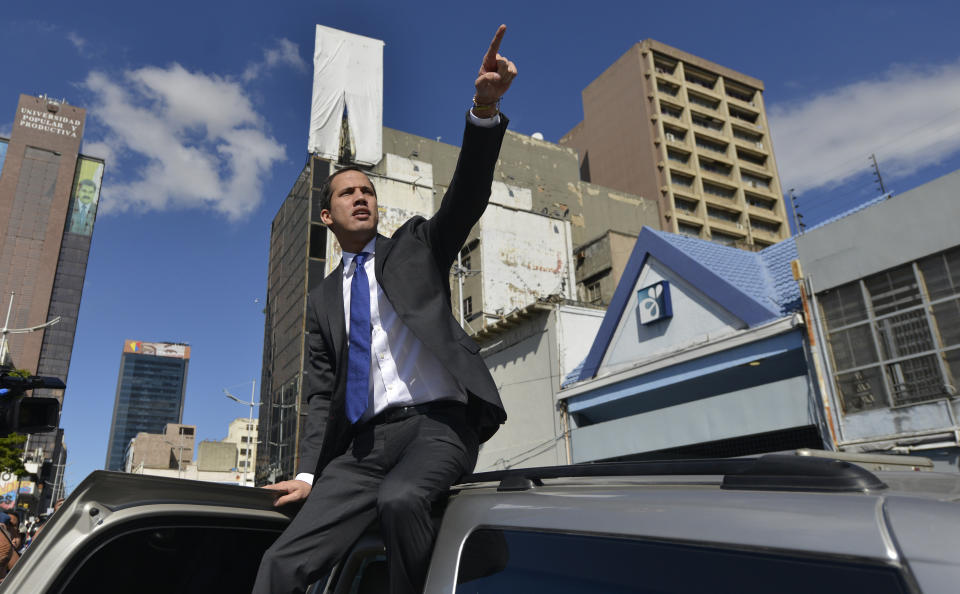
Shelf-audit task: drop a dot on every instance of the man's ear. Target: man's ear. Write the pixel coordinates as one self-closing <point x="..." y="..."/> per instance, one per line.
<point x="325" y="217"/>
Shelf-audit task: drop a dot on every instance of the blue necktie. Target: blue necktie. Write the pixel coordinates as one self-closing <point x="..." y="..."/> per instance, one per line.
<point x="358" y="357"/>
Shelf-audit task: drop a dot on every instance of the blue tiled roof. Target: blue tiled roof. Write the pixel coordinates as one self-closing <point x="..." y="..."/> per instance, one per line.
<point x="763" y="276"/>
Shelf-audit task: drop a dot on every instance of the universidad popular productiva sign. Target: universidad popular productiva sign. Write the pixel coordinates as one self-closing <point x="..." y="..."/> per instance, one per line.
<point x="49" y="122"/>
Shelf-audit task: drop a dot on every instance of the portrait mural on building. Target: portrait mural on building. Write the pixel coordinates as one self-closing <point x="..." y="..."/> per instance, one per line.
<point x="86" y="195"/>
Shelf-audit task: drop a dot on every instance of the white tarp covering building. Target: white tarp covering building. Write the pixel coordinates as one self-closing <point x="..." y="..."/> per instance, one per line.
<point x="347" y="73"/>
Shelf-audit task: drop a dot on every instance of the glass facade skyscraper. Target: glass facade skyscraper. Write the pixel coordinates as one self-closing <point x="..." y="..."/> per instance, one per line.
<point x="150" y="393"/>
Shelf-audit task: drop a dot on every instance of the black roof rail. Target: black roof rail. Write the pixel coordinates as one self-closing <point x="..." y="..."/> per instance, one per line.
<point x="770" y="472"/>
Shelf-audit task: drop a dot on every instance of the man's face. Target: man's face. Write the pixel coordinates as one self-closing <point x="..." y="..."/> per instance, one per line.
<point x="86" y="192"/>
<point x="353" y="208"/>
<point x="13" y="522"/>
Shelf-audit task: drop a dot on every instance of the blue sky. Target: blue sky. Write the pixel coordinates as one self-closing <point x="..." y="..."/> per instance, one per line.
<point x="180" y="248"/>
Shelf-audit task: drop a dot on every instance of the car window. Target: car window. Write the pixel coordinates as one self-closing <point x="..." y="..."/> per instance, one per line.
<point x="179" y="559"/>
<point x="496" y="561"/>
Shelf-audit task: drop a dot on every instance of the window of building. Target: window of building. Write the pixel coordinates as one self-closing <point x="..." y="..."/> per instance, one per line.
<point x="707" y="122"/>
<point x="724" y="238"/>
<point x="703" y="101"/>
<point x="527" y="561"/>
<point x="683" y="204"/>
<point x="744" y="115"/>
<point x="674" y="134"/>
<point x="722" y="214"/>
<point x="465" y="262"/>
<point x="688" y="229"/>
<point x="668" y="88"/>
<point x="467" y="306"/>
<point x="750" y="137"/>
<point x="594" y="292"/>
<point x="710" y="145"/>
<point x="760" y="201"/>
<point x="664" y="65"/>
<point x="755" y="181"/>
<point x="678" y="156"/>
<point x="671" y="110"/>
<point x="699" y="77"/>
<point x="765" y="226"/>
<point x="715" y="167"/>
<point x="751" y="157"/>
<point x="680" y="179"/>
<point x="721" y="191"/>
<point x="744" y="94"/>
<point x="895" y="336"/>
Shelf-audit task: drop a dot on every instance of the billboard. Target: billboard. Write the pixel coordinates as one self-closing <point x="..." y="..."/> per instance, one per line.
<point x="160" y="349"/>
<point x="85" y="196"/>
<point x="347" y="74"/>
<point x="9" y="485"/>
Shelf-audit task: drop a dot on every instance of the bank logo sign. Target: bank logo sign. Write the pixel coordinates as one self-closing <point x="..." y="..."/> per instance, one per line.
<point x="654" y="302"/>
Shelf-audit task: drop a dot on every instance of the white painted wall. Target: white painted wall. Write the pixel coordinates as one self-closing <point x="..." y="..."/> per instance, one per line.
<point x="696" y="318"/>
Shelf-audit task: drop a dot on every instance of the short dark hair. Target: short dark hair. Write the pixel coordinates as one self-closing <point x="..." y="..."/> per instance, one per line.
<point x="326" y="190"/>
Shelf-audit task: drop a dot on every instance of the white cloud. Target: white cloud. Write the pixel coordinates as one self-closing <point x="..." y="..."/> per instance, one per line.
<point x="194" y="140"/>
<point x="910" y="118"/>
<point x="78" y="42"/>
<point x="286" y="53"/>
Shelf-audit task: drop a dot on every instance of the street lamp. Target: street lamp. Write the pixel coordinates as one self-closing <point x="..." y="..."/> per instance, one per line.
<point x="251" y="404"/>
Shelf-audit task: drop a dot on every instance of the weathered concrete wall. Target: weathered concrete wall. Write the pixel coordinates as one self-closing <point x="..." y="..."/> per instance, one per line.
<point x="611" y="210"/>
<point x="523" y="257"/>
<point x="216" y="455"/>
<point x="899" y="230"/>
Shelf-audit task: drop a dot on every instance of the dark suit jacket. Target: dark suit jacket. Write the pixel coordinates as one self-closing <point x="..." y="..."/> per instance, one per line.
<point x="412" y="268"/>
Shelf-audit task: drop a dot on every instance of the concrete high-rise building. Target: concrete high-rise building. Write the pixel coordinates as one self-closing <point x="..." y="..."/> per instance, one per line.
<point x="150" y="393"/>
<point x="689" y="133"/>
<point x="48" y="203"/>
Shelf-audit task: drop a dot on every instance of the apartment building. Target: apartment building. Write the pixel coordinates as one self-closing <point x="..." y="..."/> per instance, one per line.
<point x="663" y="123"/>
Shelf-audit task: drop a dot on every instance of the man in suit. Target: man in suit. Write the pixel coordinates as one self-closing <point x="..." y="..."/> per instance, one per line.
<point x="398" y="397"/>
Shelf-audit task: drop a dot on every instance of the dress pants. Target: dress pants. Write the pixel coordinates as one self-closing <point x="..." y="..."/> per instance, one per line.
<point x="392" y="471"/>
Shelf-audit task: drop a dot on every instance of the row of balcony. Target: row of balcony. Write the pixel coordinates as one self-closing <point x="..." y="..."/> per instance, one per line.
<point x="704" y="82"/>
<point x="727" y="227"/>
<point x="719" y="170"/>
<point x="690" y="199"/>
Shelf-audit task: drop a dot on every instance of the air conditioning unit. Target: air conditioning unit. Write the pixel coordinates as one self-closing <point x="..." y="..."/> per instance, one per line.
<point x="670" y="136"/>
<point x="759" y="145"/>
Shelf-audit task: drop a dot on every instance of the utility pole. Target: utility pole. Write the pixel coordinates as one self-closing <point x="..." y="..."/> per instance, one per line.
<point x="797" y="217"/>
<point x="251" y="404"/>
<point x="876" y="171"/>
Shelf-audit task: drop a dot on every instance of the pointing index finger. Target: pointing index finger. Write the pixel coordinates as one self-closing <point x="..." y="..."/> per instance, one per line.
<point x="490" y="60"/>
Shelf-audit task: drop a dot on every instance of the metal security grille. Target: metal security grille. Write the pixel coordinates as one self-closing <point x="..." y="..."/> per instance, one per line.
<point x="894" y="336"/>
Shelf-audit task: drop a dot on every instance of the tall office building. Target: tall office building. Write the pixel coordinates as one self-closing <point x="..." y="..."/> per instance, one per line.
<point x="692" y="134"/>
<point x="48" y="203"/>
<point x="150" y="393"/>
